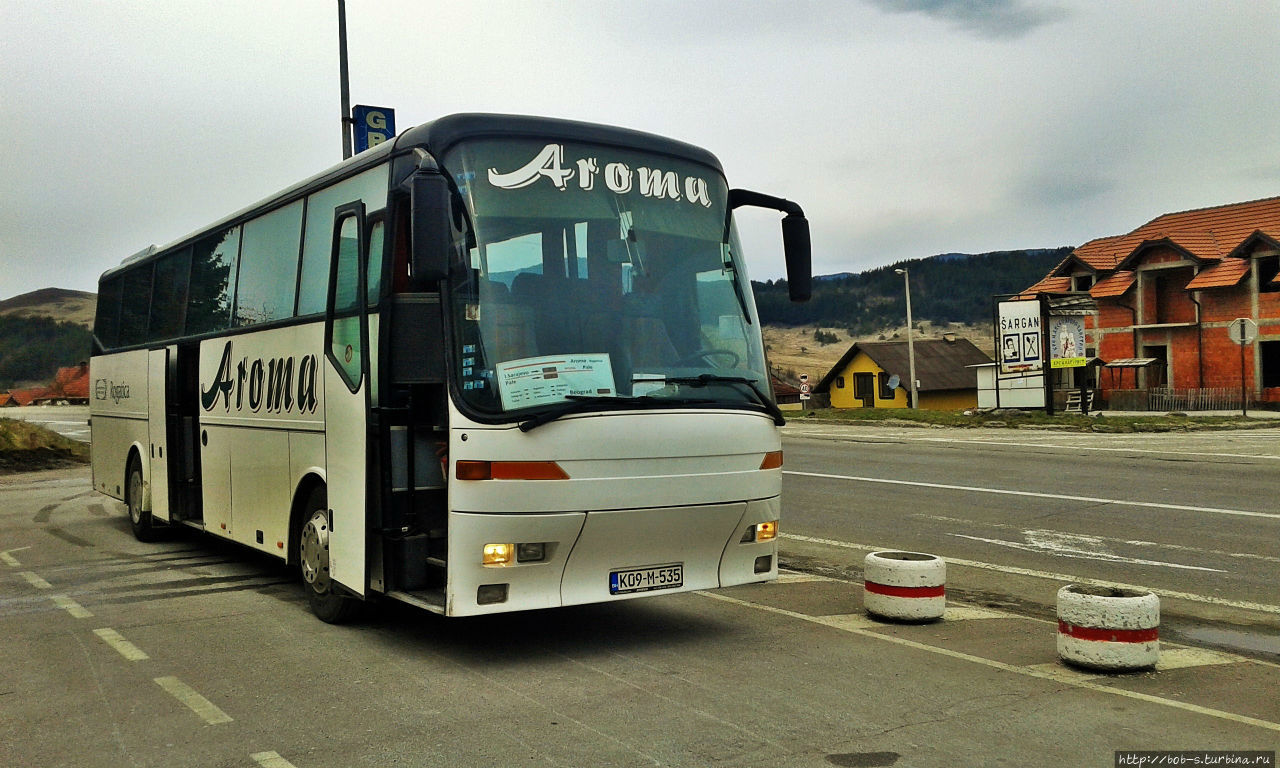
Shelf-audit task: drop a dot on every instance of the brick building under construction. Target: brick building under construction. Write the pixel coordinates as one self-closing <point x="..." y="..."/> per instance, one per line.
<point x="1166" y="293"/>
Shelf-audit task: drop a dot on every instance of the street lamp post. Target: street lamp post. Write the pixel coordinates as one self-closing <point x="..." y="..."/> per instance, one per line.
<point x="911" y="348"/>
<point x="343" y="80"/>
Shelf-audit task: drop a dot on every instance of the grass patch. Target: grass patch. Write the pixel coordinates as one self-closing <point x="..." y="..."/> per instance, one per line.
<point x="1033" y="420"/>
<point x="26" y="447"/>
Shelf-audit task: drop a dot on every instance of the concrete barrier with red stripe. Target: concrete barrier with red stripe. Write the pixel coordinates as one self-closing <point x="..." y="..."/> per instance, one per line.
<point x="904" y="586"/>
<point x="1108" y="628"/>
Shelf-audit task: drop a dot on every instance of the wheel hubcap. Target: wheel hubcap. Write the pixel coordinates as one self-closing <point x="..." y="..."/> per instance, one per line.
<point x="315" y="552"/>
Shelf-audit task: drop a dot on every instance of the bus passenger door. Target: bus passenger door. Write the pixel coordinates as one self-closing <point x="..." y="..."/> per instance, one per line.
<point x="157" y="430"/>
<point x="346" y="399"/>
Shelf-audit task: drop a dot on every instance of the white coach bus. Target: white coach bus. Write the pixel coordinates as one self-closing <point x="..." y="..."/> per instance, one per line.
<point x="498" y="363"/>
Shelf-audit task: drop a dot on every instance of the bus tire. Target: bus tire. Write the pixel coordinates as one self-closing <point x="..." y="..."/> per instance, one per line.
<point x="140" y="520"/>
<point x="326" y="602"/>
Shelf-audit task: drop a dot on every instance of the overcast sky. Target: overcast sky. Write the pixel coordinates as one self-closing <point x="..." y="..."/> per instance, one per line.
<point x="905" y="128"/>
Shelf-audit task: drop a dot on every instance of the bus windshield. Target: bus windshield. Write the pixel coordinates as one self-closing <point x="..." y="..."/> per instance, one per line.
<point x="599" y="275"/>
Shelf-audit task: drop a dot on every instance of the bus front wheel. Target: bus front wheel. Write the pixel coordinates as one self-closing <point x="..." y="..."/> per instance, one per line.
<point x="139" y="519"/>
<point x="313" y="556"/>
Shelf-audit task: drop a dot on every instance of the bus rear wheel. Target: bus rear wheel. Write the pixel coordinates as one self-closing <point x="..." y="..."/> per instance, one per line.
<point x="313" y="556"/>
<point x="140" y="520"/>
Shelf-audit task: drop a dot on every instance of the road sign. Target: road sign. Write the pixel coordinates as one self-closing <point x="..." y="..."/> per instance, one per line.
<point x="1242" y="330"/>
<point x="373" y="125"/>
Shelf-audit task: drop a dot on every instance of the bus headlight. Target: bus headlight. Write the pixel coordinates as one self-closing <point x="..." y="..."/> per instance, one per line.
<point x="531" y="552"/>
<point x="497" y="554"/>
<point x="760" y="532"/>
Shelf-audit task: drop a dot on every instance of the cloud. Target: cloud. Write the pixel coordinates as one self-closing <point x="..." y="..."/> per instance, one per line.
<point x="993" y="19"/>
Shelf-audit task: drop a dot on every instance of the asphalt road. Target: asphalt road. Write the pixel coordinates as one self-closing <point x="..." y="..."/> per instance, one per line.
<point x="1192" y="516"/>
<point x="194" y="652"/>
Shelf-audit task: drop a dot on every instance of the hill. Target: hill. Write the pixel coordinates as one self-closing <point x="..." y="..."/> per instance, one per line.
<point x="43" y="331"/>
<point x="57" y="303"/>
<point x="948" y="288"/>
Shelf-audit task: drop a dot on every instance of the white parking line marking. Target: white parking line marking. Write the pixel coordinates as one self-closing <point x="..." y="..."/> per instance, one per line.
<point x="9" y="559"/>
<point x="124" y="647"/>
<point x="76" y="610"/>
<point x="271" y="760"/>
<point x="194" y="701"/>
<point x="1063" y="577"/>
<point x="1037" y="495"/>
<point x="35" y="580"/>
<point x="1029" y="671"/>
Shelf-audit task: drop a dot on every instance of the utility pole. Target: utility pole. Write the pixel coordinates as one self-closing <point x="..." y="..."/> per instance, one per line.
<point x="346" y="85"/>
<point x="911" y="347"/>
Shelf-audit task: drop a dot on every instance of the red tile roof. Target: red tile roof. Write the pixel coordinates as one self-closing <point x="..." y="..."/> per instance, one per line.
<point x="6" y="399"/>
<point x="1047" y="285"/>
<point x="1115" y="285"/>
<point x="1225" y="273"/>
<point x="26" y="396"/>
<point x="72" y="382"/>
<point x="1206" y="234"/>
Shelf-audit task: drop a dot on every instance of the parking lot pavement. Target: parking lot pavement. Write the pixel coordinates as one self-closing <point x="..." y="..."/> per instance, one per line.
<point x="67" y="420"/>
<point x="196" y="652"/>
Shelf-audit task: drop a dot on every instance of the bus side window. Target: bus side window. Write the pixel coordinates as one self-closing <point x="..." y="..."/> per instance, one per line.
<point x="346" y="347"/>
<point x="374" y="248"/>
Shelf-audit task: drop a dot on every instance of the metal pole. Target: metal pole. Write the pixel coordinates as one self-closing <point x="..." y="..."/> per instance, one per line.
<point x="346" y="85"/>
<point x="1244" y="401"/>
<point x="911" y="347"/>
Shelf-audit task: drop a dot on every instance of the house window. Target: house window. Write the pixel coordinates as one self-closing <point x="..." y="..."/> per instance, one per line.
<point x="1082" y="282"/>
<point x="886" y="391"/>
<point x="1268" y="267"/>
<point x="1270" y="363"/>
<point x="839" y="382"/>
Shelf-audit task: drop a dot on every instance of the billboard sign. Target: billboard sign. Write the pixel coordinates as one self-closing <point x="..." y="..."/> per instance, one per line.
<point x="1020" y="337"/>
<point x="1066" y="340"/>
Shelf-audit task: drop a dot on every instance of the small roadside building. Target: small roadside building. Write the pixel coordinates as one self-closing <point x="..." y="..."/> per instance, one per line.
<point x="876" y="375"/>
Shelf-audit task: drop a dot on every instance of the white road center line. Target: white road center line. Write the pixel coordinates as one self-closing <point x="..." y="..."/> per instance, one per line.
<point x="1013" y="444"/>
<point x="1037" y="495"/>
<point x="124" y="647"/>
<point x="194" y="701"/>
<point x="76" y="610"/>
<point x="35" y="580"/>
<point x="1063" y="577"/>
<point x="271" y="760"/>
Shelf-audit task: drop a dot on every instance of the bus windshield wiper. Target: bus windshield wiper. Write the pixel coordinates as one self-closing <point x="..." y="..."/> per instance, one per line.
<point x="582" y="404"/>
<point x="704" y="379"/>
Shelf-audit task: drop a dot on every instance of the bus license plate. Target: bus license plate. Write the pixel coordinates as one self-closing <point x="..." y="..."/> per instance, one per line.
<point x="646" y="579"/>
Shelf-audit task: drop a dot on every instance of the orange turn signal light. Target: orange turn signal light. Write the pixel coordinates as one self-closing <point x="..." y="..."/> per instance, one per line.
<point x="508" y="470"/>
<point x="772" y="460"/>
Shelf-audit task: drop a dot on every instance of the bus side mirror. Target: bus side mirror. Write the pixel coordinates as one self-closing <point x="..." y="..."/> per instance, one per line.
<point x="796" y="247"/>
<point x="797" y="251"/>
<point x="432" y="226"/>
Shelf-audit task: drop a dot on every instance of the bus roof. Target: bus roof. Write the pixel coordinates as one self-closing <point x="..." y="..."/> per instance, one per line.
<point x="437" y="137"/>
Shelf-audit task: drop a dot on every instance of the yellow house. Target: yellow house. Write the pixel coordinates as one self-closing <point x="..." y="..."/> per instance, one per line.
<point x="875" y="375"/>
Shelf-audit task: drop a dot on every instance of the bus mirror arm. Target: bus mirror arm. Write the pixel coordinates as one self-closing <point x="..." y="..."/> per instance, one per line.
<point x="796" y="245"/>
<point x="432" y="224"/>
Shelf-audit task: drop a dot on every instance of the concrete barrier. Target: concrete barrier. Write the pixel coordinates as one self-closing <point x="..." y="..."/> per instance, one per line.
<point x="1108" y="628"/>
<point x="904" y="586"/>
